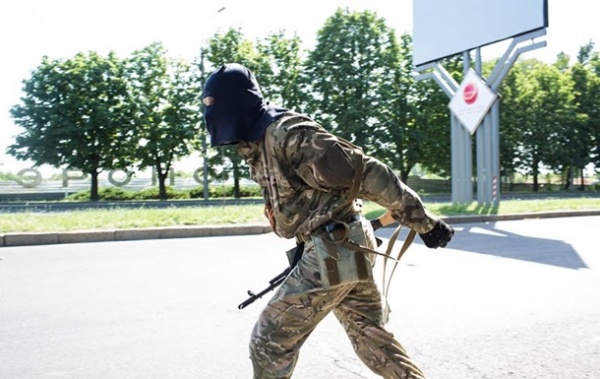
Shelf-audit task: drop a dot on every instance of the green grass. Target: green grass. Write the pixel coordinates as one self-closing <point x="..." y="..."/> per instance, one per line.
<point x="122" y="218"/>
<point x="517" y="206"/>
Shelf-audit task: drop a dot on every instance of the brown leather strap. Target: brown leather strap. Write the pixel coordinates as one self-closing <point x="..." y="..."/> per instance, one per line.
<point x="386" y="287"/>
<point x="407" y="242"/>
<point x="358" y="172"/>
<point x="349" y="244"/>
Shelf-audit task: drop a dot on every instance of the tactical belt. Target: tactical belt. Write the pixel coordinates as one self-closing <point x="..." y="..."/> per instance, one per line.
<point x="328" y="228"/>
<point x="338" y="229"/>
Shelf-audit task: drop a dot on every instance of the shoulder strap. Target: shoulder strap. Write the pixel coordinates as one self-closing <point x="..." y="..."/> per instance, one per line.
<point x="386" y="288"/>
<point x="359" y="167"/>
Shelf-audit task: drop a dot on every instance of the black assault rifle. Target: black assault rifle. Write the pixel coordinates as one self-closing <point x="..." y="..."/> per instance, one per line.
<point x="273" y="283"/>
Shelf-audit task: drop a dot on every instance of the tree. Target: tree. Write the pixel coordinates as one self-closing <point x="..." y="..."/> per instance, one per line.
<point x="542" y="102"/>
<point x="285" y="85"/>
<point x="362" y="87"/>
<point x="511" y="113"/>
<point x="579" y="138"/>
<point x="347" y="68"/>
<point x="429" y="132"/>
<point x="411" y="119"/>
<point x="75" y="113"/>
<point x="594" y="114"/>
<point x="167" y="110"/>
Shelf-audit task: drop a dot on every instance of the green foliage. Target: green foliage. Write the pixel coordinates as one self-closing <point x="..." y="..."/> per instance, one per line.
<point x="254" y="191"/>
<point x="116" y="194"/>
<point x="8" y="176"/>
<point x="415" y="119"/>
<point x="154" y="193"/>
<point x="119" y="194"/>
<point x="347" y="70"/>
<point x="126" y="218"/>
<point x="285" y="84"/>
<point x="363" y="87"/>
<point x="220" y="192"/>
<point x="580" y="144"/>
<point x="167" y="110"/>
<point x="73" y="113"/>
<point x="197" y="193"/>
<point x="95" y="113"/>
<point x="550" y="116"/>
<point x="104" y="194"/>
<point x="216" y="192"/>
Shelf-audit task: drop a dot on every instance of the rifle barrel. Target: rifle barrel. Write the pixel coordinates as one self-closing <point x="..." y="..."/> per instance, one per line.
<point x="273" y="283"/>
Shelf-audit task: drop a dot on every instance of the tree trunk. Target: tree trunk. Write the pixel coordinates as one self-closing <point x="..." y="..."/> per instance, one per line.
<point x="236" y="180"/>
<point x="569" y="179"/>
<point x="237" y="193"/>
<point x="404" y="176"/>
<point x="162" y="188"/>
<point x="94" y="189"/>
<point x="535" y="173"/>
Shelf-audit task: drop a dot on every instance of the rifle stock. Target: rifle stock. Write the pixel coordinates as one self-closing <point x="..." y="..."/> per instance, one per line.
<point x="383" y="220"/>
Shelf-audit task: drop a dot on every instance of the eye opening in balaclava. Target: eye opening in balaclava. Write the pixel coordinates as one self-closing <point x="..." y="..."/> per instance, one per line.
<point x="208" y="100"/>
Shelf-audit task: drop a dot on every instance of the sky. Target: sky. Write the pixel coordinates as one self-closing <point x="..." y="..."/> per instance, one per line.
<point x="59" y="29"/>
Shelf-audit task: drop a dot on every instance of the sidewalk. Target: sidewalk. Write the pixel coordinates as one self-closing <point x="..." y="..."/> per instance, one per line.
<point x="48" y="238"/>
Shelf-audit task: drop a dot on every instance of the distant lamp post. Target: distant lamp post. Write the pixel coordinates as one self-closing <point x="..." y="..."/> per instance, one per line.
<point x="204" y="143"/>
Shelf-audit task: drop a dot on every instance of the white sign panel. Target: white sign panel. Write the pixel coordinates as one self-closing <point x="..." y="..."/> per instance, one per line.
<point x="472" y="101"/>
<point x="444" y="28"/>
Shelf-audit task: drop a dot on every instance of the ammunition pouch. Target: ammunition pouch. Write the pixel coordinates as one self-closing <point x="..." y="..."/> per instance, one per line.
<point x="343" y="253"/>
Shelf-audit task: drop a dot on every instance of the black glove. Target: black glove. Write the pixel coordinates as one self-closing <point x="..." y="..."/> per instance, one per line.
<point x="439" y="236"/>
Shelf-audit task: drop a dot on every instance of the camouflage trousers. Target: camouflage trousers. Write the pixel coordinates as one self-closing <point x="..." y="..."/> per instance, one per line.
<point x="301" y="303"/>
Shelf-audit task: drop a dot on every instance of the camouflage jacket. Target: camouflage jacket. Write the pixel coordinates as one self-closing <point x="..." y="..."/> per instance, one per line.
<point x="307" y="173"/>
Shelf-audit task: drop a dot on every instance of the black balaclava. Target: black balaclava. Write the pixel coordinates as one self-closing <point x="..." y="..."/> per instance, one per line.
<point x="239" y="112"/>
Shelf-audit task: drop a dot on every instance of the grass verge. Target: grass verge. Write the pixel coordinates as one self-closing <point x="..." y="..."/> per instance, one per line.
<point x="122" y="218"/>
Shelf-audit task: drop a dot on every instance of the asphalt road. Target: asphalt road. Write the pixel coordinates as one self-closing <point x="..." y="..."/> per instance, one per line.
<point x="511" y="299"/>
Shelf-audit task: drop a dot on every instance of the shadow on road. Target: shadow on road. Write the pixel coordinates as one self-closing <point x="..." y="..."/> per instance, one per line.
<point x="488" y="239"/>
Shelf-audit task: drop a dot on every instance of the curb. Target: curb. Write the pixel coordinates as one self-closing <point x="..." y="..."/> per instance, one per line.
<point x="29" y="239"/>
<point x="520" y="216"/>
<point x="49" y="238"/>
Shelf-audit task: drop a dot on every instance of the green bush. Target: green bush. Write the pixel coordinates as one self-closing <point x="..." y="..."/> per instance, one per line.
<point x="153" y="194"/>
<point x="220" y="191"/>
<point x="104" y="194"/>
<point x="8" y="176"/>
<point x="116" y="194"/>
<point x="197" y="193"/>
<point x="253" y="191"/>
<point x="224" y="191"/>
<point x="79" y="196"/>
<point x="120" y="194"/>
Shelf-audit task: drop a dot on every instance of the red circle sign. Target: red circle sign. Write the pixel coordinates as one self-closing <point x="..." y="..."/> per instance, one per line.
<point x="470" y="93"/>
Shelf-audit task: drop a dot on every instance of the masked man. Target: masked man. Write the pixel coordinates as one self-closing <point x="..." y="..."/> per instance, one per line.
<point x="310" y="180"/>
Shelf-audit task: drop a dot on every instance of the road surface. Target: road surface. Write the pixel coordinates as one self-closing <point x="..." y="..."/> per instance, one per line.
<point x="511" y="299"/>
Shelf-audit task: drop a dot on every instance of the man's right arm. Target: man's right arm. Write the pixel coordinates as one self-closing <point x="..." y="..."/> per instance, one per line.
<point x="382" y="186"/>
